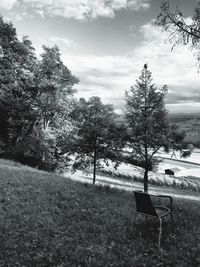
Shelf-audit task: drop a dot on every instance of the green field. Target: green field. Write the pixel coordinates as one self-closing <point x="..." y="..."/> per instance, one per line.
<point x="190" y="124"/>
<point x="48" y="220"/>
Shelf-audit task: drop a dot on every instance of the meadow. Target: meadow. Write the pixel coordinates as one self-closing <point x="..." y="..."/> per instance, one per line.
<point x="190" y="124"/>
<point x="49" y="220"/>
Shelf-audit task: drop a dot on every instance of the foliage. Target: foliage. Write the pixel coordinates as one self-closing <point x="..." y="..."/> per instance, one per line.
<point x="181" y="30"/>
<point x="17" y="65"/>
<point x="176" y="142"/>
<point x="35" y="100"/>
<point x="55" y="85"/>
<point x="188" y="183"/>
<point x="97" y="136"/>
<point x="48" y="220"/>
<point x="130" y="158"/>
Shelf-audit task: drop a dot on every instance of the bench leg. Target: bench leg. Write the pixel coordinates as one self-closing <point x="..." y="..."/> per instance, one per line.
<point x="135" y="217"/>
<point x="160" y="232"/>
<point x="172" y="223"/>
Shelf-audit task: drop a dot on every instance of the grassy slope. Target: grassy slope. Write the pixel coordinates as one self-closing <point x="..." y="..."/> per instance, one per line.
<point x="47" y="220"/>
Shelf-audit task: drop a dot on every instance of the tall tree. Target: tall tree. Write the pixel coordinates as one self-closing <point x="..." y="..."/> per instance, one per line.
<point x="17" y="63"/>
<point x="181" y="30"/>
<point x="147" y="117"/>
<point x="53" y="102"/>
<point x="36" y="97"/>
<point x="55" y="87"/>
<point x="98" y="136"/>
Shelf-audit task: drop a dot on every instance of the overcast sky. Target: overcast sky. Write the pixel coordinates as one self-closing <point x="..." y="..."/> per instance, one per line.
<point x="106" y="43"/>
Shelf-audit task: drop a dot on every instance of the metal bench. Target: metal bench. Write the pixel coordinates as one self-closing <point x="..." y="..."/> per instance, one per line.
<point x="145" y="206"/>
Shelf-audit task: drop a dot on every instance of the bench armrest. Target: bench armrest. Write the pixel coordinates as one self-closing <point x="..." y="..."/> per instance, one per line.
<point x="164" y="196"/>
<point x="170" y="198"/>
<point x="161" y="196"/>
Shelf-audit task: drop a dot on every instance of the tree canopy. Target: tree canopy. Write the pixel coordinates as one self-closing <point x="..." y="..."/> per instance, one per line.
<point x="35" y="96"/>
<point x="98" y="136"/>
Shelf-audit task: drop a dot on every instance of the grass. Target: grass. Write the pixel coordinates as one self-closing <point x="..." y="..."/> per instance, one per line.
<point x="47" y="220"/>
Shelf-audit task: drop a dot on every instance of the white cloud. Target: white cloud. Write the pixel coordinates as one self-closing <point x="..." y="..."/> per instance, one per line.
<point x="7" y="4"/>
<point x="66" y="41"/>
<point x="134" y="5"/>
<point x="186" y="108"/>
<point x="175" y="68"/>
<point x="82" y="9"/>
<point x="109" y="76"/>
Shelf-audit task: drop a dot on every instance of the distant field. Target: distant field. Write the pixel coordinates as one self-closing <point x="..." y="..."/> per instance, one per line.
<point x="189" y="124"/>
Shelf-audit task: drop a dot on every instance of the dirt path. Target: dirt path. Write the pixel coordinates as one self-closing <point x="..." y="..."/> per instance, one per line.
<point x="131" y="186"/>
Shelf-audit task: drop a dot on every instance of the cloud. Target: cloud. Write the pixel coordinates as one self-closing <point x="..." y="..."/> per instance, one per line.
<point x="63" y="41"/>
<point x="79" y="9"/>
<point x="176" y="68"/>
<point x="189" y="107"/>
<point x="7" y="4"/>
<point x="103" y="74"/>
<point x="109" y="76"/>
<point x="181" y="95"/>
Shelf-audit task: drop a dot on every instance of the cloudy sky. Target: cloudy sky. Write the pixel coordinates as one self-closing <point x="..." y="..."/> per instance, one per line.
<point x="106" y="43"/>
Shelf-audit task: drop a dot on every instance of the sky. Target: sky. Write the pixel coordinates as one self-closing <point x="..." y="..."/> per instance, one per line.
<point x="106" y="44"/>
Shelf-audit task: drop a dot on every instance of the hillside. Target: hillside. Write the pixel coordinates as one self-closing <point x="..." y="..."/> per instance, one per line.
<point x="190" y="124"/>
<point x="48" y="220"/>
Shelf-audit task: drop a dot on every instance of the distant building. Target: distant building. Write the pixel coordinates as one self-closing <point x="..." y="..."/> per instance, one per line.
<point x="172" y="171"/>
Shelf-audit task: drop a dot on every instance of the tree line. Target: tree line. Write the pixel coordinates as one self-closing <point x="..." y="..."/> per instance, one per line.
<point x="43" y="124"/>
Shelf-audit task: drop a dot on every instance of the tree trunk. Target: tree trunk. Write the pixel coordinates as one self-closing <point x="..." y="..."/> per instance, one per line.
<point x="146" y="179"/>
<point x="146" y="141"/>
<point x="94" y="165"/>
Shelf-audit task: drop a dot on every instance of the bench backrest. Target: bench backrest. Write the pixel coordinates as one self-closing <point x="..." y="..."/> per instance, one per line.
<point x="144" y="204"/>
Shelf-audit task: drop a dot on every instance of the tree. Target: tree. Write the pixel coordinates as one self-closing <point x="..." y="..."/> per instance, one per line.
<point x="35" y="100"/>
<point x="55" y="87"/>
<point x="181" y="30"/>
<point x="18" y="61"/>
<point x="98" y="137"/>
<point x="147" y="117"/>
<point x="54" y="101"/>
